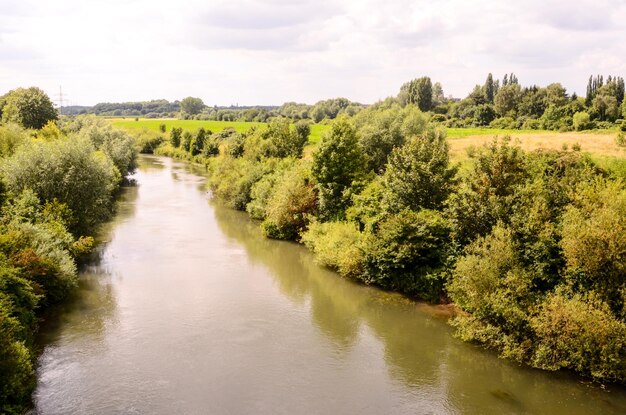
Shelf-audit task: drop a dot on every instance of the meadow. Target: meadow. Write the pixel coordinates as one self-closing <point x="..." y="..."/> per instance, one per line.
<point x="131" y="124"/>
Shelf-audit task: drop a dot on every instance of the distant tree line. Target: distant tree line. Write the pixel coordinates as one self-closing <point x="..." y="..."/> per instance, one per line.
<point x="194" y="108"/>
<point x="508" y="104"/>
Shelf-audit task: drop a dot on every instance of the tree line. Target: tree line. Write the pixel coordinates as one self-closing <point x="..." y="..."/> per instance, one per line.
<point x="58" y="180"/>
<point x="508" y="104"/>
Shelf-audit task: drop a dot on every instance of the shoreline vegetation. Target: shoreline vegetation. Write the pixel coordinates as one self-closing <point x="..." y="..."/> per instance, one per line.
<point x="59" y="182"/>
<point x="524" y="238"/>
<point x="411" y="194"/>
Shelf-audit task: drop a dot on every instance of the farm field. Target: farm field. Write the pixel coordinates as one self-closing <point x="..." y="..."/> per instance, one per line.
<point x="240" y="126"/>
<point x="600" y="144"/>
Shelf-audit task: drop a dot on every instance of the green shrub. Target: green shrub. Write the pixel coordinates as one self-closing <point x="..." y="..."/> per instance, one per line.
<point x="503" y="123"/>
<point x="409" y="253"/>
<point x="337" y="245"/>
<point x="291" y="203"/>
<point x="418" y="174"/>
<point x="579" y="332"/>
<point x="148" y="141"/>
<point x="70" y="171"/>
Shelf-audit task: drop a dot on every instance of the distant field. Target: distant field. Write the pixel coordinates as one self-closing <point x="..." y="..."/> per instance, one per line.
<point x="466" y="132"/>
<point x="153" y="124"/>
<point x="597" y="143"/>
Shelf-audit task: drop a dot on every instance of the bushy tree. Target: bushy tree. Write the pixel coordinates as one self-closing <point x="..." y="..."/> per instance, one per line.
<point x="382" y="130"/>
<point x="191" y="106"/>
<point x="581" y="121"/>
<point x="290" y="205"/>
<point x="487" y="195"/>
<point x="176" y="136"/>
<point x="419" y="92"/>
<point x="338" y="165"/>
<point x="67" y="170"/>
<point x="29" y="107"/>
<point x="418" y="174"/>
<point x="507" y="99"/>
<point x="185" y="141"/>
<point x="281" y="140"/>
<point x="408" y="253"/>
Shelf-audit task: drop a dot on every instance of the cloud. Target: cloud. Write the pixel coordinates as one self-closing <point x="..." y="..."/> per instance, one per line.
<point x="271" y="51"/>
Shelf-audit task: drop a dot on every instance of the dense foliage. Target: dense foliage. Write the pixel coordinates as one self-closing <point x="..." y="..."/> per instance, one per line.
<point x="57" y="185"/>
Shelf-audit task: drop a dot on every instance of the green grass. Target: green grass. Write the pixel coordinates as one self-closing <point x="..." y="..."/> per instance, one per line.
<point x="191" y="125"/>
<point x="317" y="130"/>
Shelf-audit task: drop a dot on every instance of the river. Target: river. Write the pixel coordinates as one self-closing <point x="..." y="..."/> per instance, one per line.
<point x="190" y="310"/>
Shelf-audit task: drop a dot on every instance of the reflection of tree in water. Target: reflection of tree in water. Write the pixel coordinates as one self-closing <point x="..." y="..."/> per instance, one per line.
<point x="85" y="313"/>
<point x="332" y="300"/>
<point x="419" y="348"/>
<point x="188" y="172"/>
<point x="93" y="303"/>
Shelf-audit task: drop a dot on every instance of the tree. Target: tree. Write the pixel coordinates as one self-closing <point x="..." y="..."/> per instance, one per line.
<point x="283" y="141"/>
<point x="338" y="163"/>
<point x="604" y="107"/>
<point x="507" y="99"/>
<point x="556" y="95"/>
<point x="197" y="143"/>
<point x="438" y="95"/>
<point x="29" y="107"/>
<point x="489" y="89"/>
<point x="175" y="136"/>
<point x="418" y="175"/>
<point x="419" y="92"/>
<point x="191" y="105"/>
<point x="185" y="141"/>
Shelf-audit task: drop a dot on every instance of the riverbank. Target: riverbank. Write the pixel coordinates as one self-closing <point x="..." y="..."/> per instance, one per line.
<point x="250" y="324"/>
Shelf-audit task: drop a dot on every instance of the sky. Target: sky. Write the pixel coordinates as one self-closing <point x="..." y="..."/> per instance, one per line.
<point x="266" y="52"/>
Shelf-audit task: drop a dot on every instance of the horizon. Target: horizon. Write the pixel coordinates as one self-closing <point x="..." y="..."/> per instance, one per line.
<point x="268" y="52"/>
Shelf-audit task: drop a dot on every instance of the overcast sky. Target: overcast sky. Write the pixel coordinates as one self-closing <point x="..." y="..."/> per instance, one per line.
<point x="272" y="51"/>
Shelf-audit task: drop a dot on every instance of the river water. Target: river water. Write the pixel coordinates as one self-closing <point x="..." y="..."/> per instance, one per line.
<point x="189" y="310"/>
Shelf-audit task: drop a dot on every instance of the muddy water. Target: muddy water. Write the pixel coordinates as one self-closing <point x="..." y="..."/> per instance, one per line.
<point x="190" y="310"/>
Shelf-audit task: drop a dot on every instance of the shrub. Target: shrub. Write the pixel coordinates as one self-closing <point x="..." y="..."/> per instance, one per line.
<point x="338" y="164"/>
<point x="408" y="253"/>
<point x="503" y="123"/>
<point x="582" y="121"/>
<point x="147" y="141"/>
<point x="579" y="332"/>
<point x="70" y="171"/>
<point x="291" y="203"/>
<point x="418" y="174"/>
<point x="337" y="245"/>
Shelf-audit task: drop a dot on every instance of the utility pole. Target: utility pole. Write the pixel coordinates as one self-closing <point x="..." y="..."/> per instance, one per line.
<point x="60" y="100"/>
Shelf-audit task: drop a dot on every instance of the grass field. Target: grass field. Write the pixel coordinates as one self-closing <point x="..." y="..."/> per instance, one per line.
<point x="153" y="124"/>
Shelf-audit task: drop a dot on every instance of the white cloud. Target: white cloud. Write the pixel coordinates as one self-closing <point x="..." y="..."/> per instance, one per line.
<point x="271" y="51"/>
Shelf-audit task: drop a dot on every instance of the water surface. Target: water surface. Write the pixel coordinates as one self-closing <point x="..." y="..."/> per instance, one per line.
<point x="191" y="311"/>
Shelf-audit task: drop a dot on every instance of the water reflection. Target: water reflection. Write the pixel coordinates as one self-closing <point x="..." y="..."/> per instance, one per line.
<point x="439" y="371"/>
